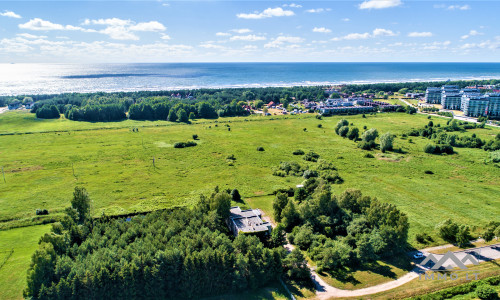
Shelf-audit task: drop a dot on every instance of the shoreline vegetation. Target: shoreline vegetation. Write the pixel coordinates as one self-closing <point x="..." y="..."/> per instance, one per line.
<point x="164" y="151"/>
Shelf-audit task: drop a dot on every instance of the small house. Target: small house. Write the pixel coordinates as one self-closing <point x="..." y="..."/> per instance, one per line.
<point x="247" y="221"/>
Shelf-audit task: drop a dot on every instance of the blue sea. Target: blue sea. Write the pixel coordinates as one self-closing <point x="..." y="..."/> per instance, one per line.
<point x="18" y="79"/>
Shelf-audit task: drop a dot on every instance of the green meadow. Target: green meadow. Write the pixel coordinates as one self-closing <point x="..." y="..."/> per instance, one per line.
<point x="126" y="171"/>
<point x="116" y="165"/>
<point x="17" y="245"/>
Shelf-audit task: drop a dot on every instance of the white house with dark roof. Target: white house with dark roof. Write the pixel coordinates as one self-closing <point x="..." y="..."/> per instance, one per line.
<point x="247" y="221"/>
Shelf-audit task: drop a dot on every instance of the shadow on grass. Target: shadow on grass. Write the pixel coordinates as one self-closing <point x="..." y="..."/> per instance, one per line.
<point x="298" y="288"/>
<point x="385" y="269"/>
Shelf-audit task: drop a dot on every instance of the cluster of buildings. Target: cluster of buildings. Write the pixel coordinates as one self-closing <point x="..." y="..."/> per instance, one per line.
<point x="469" y="100"/>
<point x="353" y="105"/>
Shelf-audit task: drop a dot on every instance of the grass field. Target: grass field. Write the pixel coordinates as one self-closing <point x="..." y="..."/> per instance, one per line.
<point x="116" y="166"/>
<point x="23" y="242"/>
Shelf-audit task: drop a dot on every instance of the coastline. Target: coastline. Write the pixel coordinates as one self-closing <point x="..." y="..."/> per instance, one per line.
<point x="249" y="86"/>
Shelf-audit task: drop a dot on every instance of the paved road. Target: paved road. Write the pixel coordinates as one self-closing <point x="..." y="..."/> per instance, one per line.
<point x="325" y="291"/>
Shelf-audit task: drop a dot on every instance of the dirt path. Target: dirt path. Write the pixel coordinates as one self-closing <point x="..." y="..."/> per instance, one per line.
<point x="3" y="109"/>
<point x="326" y="291"/>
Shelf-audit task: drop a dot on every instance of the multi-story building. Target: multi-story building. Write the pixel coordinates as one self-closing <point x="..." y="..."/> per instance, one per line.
<point x="433" y="95"/>
<point x="475" y="105"/>
<point x="450" y="88"/>
<point x="451" y="100"/>
<point x="494" y="105"/>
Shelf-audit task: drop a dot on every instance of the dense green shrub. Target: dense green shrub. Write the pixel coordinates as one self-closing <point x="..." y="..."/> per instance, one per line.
<point x="48" y="112"/>
<point x="486" y="291"/>
<point x="298" y="152"/>
<point x="311" y="156"/>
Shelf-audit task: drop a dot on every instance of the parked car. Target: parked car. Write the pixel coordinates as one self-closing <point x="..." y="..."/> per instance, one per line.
<point x="418" y="255"/>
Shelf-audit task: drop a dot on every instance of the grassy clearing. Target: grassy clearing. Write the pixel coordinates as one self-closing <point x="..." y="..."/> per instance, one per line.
<point x="370" y="275"/>
<point x="116" y="166"/>
<point x="24" y="242"/>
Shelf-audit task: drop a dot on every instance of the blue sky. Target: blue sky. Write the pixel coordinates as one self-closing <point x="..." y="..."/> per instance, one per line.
<point x="234" y="31"/>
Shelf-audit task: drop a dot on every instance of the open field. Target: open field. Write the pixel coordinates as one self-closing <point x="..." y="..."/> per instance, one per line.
<point x="23" y="242"/>
<point x="116" y="166"/>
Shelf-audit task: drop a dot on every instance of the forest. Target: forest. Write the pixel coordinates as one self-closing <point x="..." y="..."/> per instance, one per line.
<point x="340" y="231"/>
<point x="180" y="253"/>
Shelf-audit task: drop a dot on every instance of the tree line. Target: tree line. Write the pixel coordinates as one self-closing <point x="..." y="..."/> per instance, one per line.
<point x="340" y="231"/>
<point x="172" y="254"/>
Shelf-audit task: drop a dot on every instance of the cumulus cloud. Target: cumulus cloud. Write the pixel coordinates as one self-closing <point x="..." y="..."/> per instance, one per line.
<point x="10" y="14"/>
<point x="420" y="34"/>
<point x="471" y="33"/>
<point x="267" y="13"/>
<point x="222" y="34"/>
<point x="43" y="25"/>
<point x="321" y="30"/>
<point x="148" y="26"/>
<point x="361" y="36"/>
<point x="383" y="32"/>
<point x="379" y="4"/>
<point x="318" y="10"/>
<point x="119" y="29"/>
<point x="248" y="38"/>
<point x="241" y="31"/>
<point x="31" y="36"/>
<point x="281" y="40"/>
<point x="165" y="36"/>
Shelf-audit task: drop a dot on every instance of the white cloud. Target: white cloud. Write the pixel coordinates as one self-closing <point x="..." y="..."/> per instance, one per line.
<point x="39" y="24"/>
<point x="248" y="38"/>
<point x="293" y="5"/>
<point x="119" y="29"/>
<point x="148" y="26"/>
<point x="379" y="4"/>
<point x="420" y="34"/>
<point x="222" y="34"/>
<point x="10" y="14"/>
<point x="241" y="31"/>
<point x="383" y="32"/>
<point x="250" y="47"/>
<point x="209" y="45"/>
<point x="357" y="36"/>
<point x="346" y="19"/>
<point x="471" y="33"/>
<point x="458" y="7"/>
<point x="267" y="13"/>
<point x="318" y="10"/>
<point x="31" y="36"/>
<point x="165" y="36"/>
<point x="119" y="33"/>
<point x="321" y="30"/>
<point x="281" y="40"/>
<point x="362" y="36"/>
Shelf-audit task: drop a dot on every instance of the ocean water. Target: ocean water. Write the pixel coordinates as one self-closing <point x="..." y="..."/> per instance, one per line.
<point x="18" y="79"/>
